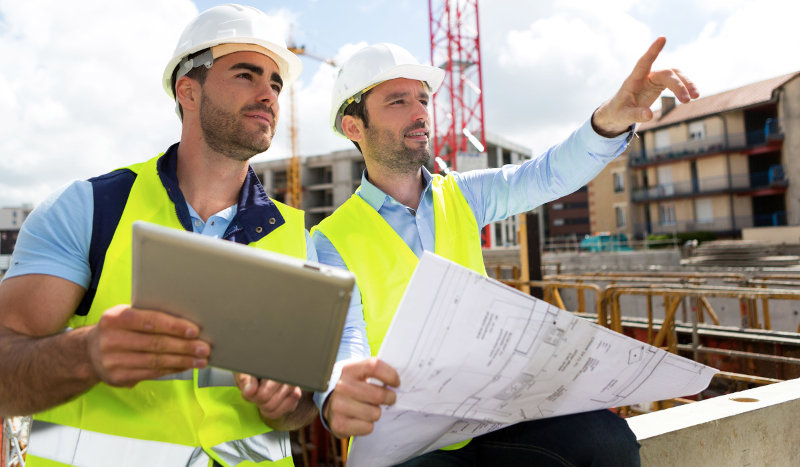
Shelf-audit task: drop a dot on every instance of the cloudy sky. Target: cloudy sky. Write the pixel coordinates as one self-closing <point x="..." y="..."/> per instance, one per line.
<point x="80" y="81"/>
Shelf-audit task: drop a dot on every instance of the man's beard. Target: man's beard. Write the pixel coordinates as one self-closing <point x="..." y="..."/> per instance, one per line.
<point x="393" y="154"/>
<point x="224" y="132"/>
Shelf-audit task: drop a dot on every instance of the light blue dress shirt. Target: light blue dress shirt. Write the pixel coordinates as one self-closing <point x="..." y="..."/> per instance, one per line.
<point x="492" y="194"/>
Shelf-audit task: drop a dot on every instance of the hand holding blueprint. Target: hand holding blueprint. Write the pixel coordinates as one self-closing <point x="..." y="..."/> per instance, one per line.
<point x="475" y="355"/>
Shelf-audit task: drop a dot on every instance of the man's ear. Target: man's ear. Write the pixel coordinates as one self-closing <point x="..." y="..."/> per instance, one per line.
<point x="352" y="127"/>
<point x="187" y="93"/>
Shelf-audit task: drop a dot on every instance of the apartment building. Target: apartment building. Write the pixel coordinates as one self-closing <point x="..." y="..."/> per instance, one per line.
<point x="719" y="164"/>
<point x="11" y="220"/>
<point x="567" y="220"/>
<point x="329" y="179"/>
<point x="608" y="196"/>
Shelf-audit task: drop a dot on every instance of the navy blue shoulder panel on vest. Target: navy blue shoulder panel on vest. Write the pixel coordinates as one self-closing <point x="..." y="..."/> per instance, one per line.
<point x="110" y="193"/>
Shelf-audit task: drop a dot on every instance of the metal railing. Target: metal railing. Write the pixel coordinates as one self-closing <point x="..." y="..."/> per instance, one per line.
<point x="775" y="176"/>
<point x="675" y="289"/>
<point x="710" y="145"/>
<point x="574" y="246"/>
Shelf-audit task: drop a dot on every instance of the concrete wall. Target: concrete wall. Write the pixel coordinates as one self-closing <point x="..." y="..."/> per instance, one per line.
<point x="785" y="234"/>
<point x="753" y="427"/>
<point x="668" y="259"/>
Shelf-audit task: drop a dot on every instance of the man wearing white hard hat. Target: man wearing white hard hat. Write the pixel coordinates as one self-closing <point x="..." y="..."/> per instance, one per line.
<point x="380" y="102"/>
<point x="109" y="384"/>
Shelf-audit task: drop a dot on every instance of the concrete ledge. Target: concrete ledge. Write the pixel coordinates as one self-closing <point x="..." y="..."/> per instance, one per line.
<point x="754" y="427"/>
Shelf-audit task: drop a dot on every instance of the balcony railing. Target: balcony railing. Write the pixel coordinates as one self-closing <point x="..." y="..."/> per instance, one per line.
<point x="717" y="224"/>
<point x="714" y="144"/>
<point x="774" y="177"/>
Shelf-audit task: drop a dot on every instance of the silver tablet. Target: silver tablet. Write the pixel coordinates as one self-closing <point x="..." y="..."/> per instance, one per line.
<point x="265" y="314"/>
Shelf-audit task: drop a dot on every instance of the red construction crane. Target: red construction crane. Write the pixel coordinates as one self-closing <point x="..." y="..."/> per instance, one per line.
<point x="294" y="187"/>
<point x="458" y="105"/>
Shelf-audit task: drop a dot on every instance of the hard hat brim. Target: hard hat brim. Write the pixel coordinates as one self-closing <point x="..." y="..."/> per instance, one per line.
<point x="433" y="76"/>
<point x="289" y="65"/>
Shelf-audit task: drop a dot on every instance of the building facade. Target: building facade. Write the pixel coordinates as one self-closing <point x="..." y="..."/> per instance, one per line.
<point x="11" y="220"/>
<point x="716" y="165"/>
<point x="567" y="220"/>
<point x="609" y="199"/>
<point x="329" y="179"/>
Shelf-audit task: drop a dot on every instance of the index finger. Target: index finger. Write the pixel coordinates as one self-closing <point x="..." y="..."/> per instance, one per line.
<point x="159" y="322"/>
<point x="645" y="63"/>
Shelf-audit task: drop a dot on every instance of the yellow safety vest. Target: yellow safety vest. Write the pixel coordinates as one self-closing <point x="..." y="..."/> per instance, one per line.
<point x="182" y="419"/>
<point x="383" y="263"/>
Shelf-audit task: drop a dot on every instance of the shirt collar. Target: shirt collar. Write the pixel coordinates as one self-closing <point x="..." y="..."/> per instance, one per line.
<point x="256" y="214"/>
<point x="376" y="198"/>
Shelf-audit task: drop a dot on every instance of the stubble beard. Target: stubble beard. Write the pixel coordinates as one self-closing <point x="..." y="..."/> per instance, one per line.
<point x="395" y="155"/>
<point x="224" y="132"/>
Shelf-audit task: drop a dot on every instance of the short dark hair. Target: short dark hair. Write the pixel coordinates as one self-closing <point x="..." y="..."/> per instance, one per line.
<point x="197" y="73"/>
<point x="358" y="109"/>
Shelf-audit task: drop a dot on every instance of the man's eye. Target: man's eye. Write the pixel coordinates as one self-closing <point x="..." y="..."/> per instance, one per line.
<point x="277" y="88"/>
<point x="424" y="102"/>
<point x="246" y="76"/>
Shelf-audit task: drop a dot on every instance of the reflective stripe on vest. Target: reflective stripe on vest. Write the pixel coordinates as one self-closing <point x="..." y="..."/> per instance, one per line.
<point x="193" y="409"/>
<point x="206" y="378"/>
<point x="73" y="446"/>
<point x="383" y="263"/>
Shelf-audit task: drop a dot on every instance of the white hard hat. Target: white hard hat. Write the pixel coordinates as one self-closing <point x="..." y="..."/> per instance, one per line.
<point x="373" y="65"/>
<point x="241" y="28"/>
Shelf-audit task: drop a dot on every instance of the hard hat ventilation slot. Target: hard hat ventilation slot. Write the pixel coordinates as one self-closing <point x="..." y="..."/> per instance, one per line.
<point x="206" y="59"/>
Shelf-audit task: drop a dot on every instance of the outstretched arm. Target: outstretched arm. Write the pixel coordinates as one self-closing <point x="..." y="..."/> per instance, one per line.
<point x="631" y="104"/>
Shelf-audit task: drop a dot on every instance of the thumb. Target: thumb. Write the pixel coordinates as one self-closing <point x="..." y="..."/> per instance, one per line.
<point x="643" y="114"/>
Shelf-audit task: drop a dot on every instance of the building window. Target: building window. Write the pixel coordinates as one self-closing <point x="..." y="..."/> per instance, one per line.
<point x="662" y="140"/>
<point x="558" y="206"/>
<point x="697" y="130"/>
<point x="619" y="182"/>
<point x="666" y="214"/>
<point x="558" y="222"/>
<point x="703" y="211"/>
<point x="619" y="214"/>
<point x="665" y="185"/>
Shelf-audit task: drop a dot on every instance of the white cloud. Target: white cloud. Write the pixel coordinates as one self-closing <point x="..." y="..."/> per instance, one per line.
<point x="544" y="77"/>
<point x="757" y="41"/>
<point x="80" y="89"/>
<point x="80" y="81"/>
<point x="550" y="75"/>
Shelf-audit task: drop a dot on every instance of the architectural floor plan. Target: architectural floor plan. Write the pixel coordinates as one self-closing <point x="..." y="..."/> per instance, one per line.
<point x="475" y="355"/>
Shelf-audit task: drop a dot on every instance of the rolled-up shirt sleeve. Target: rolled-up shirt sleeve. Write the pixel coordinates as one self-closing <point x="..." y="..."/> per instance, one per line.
<point x="55" y="237"/>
